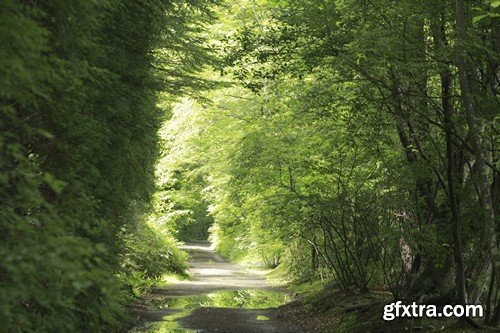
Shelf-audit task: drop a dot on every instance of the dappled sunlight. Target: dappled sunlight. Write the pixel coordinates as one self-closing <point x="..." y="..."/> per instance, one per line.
<point x="197" y="246"/>
<point x="212" y="271"/>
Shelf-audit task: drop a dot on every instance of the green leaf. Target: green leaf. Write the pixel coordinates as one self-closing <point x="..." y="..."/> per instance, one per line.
<point x="495" y="4"/>
<point x="45" y="133"/>
<point x="55" y="184"/>
<point x="478" y="18"/>
<point x="4" y="177"/>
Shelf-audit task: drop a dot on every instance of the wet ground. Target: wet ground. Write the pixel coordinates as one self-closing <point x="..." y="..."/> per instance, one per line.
<point x="220" y="297"/>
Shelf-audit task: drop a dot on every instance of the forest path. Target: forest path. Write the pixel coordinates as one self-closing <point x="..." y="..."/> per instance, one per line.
<point x="220" y="297"/>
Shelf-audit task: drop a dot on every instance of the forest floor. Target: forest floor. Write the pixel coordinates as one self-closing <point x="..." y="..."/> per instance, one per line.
<point x="219" y="297"/>
<point x="329" y="310"/>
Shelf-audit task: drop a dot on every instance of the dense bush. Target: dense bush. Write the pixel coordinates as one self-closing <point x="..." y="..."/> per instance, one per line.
<point x="78" y="145"/>
<point x="153" y="253"/>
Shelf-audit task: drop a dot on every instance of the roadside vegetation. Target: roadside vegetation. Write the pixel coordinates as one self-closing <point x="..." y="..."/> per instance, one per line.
<point x="79" y="113"/>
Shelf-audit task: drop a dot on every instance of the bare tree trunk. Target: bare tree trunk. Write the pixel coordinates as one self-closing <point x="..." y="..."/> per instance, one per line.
<point x="475" y="138"/>
<point x="456" y="220"/>
<point x="440" y="42"/>
<point x="487" y="317"/>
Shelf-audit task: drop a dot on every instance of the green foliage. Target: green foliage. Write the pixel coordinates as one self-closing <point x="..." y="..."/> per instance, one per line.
<point x="180" y="206"/>
<point x="487" y="13"/>
<point x="78" y="146"/>
<point x="152" y="253"/>
<point x="149" y="253"/>
<point x="343" y="149"/>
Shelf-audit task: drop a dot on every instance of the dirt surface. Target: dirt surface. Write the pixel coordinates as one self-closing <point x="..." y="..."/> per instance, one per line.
<point x="212" y="274"/>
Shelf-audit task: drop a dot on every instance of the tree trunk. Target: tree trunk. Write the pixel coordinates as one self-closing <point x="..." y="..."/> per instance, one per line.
<point x="440" y="42"/>
<point x="471" y="113"/>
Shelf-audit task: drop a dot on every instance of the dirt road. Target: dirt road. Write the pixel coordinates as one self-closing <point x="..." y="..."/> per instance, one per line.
<point x="220" y="297"/>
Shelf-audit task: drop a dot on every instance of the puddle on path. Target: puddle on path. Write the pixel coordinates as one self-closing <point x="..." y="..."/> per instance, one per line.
<point x="246" y="299"/>
<point x="182" y="306"/>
